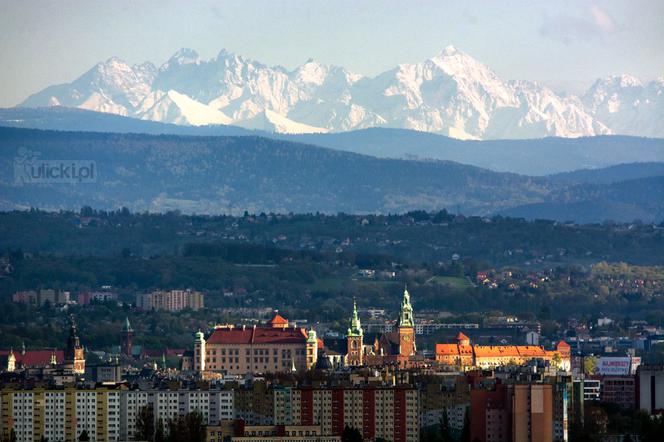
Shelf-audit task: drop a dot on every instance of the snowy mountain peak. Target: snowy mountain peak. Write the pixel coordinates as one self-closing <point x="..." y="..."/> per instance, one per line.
<point x="617" y="81"/>
<point x="451" y="93"/>
<point x="449" y="50"/>
<point x="311" y="72"/>
<point x="627" y="80"/>
<point x="225" y="54"/>
<point x="182" y="57"/>
<point x="455" y="62"/>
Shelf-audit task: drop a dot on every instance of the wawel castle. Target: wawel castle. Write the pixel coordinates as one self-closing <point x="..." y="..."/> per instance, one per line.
<point x="278" y="346"/>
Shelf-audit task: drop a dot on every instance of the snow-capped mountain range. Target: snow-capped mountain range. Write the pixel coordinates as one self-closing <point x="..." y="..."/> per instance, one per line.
<point x="451" y="94"/>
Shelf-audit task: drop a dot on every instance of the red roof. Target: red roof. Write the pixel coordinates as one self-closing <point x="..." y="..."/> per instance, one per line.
<point x="278" y="320"/>
<point x="157" y="353"/>
<point x="258" y="335"/>
<point x="35" y="358"/>
<point x="562" y="344"/>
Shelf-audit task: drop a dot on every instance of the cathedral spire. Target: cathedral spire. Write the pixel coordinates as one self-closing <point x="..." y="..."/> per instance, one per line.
<point x="127" y="325"/>
<point x="405" y="311"/>
<point x="355" y="328"/>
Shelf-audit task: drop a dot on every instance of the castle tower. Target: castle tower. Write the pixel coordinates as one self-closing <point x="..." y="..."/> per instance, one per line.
<point x="127" y="339"/>
<point x="406" y="326"/>
<point x="74" y="353"/>
<point x="462" y="339"/>
<point x="354" y="337"/>
<point x="312" y="349"/>
<point x="199" y="351"/>
<point x="11" y="361"/>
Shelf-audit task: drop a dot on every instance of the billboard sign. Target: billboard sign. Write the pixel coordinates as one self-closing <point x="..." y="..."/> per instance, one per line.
<point x="615" y="366"/>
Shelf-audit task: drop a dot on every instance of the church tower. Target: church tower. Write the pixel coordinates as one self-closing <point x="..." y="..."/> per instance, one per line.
<point x="312" y="349"/>
<point x="199" y="352"/>
<point x="406" y="326"/>
<point x="11" y="361"/>
<point x="127" y="339"/>
<point x="74" y="354"/>
<point x="354" y="337"/>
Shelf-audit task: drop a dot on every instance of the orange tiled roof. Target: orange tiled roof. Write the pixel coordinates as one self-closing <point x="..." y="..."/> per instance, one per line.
<point x="462" y="337"/>
<point x="562" y="344"/>
<point x="494" y="351"/>
<point x="278" y="320"/>
<point x="447" y="349"/>
<point x="531" y="351"/>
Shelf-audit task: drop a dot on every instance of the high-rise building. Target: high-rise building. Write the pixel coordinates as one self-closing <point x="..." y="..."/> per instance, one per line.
<point x="173" y="300"/>
<point x="60" y="414"/>
<point x="620" y="390"/>
<point x="512" y="412"/>
<point x="650" y="388"/>
<point x="105" y="414"/>
<point x="390" y="413"/>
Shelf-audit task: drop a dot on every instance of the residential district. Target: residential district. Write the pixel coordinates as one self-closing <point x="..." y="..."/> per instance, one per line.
<point x="277" y="381"/>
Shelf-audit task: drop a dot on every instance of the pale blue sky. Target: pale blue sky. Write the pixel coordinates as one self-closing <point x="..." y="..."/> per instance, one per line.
<point x="563" y="44"/>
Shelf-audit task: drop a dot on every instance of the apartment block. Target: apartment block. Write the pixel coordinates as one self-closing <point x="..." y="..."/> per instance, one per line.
<point x="513" y="412"/>
<point x="173" y="300"/>
<point x="391" y="413"/>
<point x="61" y="414"/>
<point x="650" y="388"/>
<point x="104" y="414"/>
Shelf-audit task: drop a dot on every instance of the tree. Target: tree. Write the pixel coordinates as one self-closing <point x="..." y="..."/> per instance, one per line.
<point x="465" y="433"/>
<point x="589" y="364"/>
<point x="195" y="427"/>
<point x="159" y="435"/>
<point x="145" y="424"/>
<point x="595" y="422"/>
<point x="446" y="436"/>
<point x="351" y="435"/>
<point x="84" y="437"/>
<point x="556" y="359"/>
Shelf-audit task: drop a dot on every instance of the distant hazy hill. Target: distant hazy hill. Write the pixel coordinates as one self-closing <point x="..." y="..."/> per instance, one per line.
<point x="222" y="174"/>
<point x="233" y="174"/>
<point x="529" y="157"/>
<point x="612" y="174"/>
<point x="625" y="201"/>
